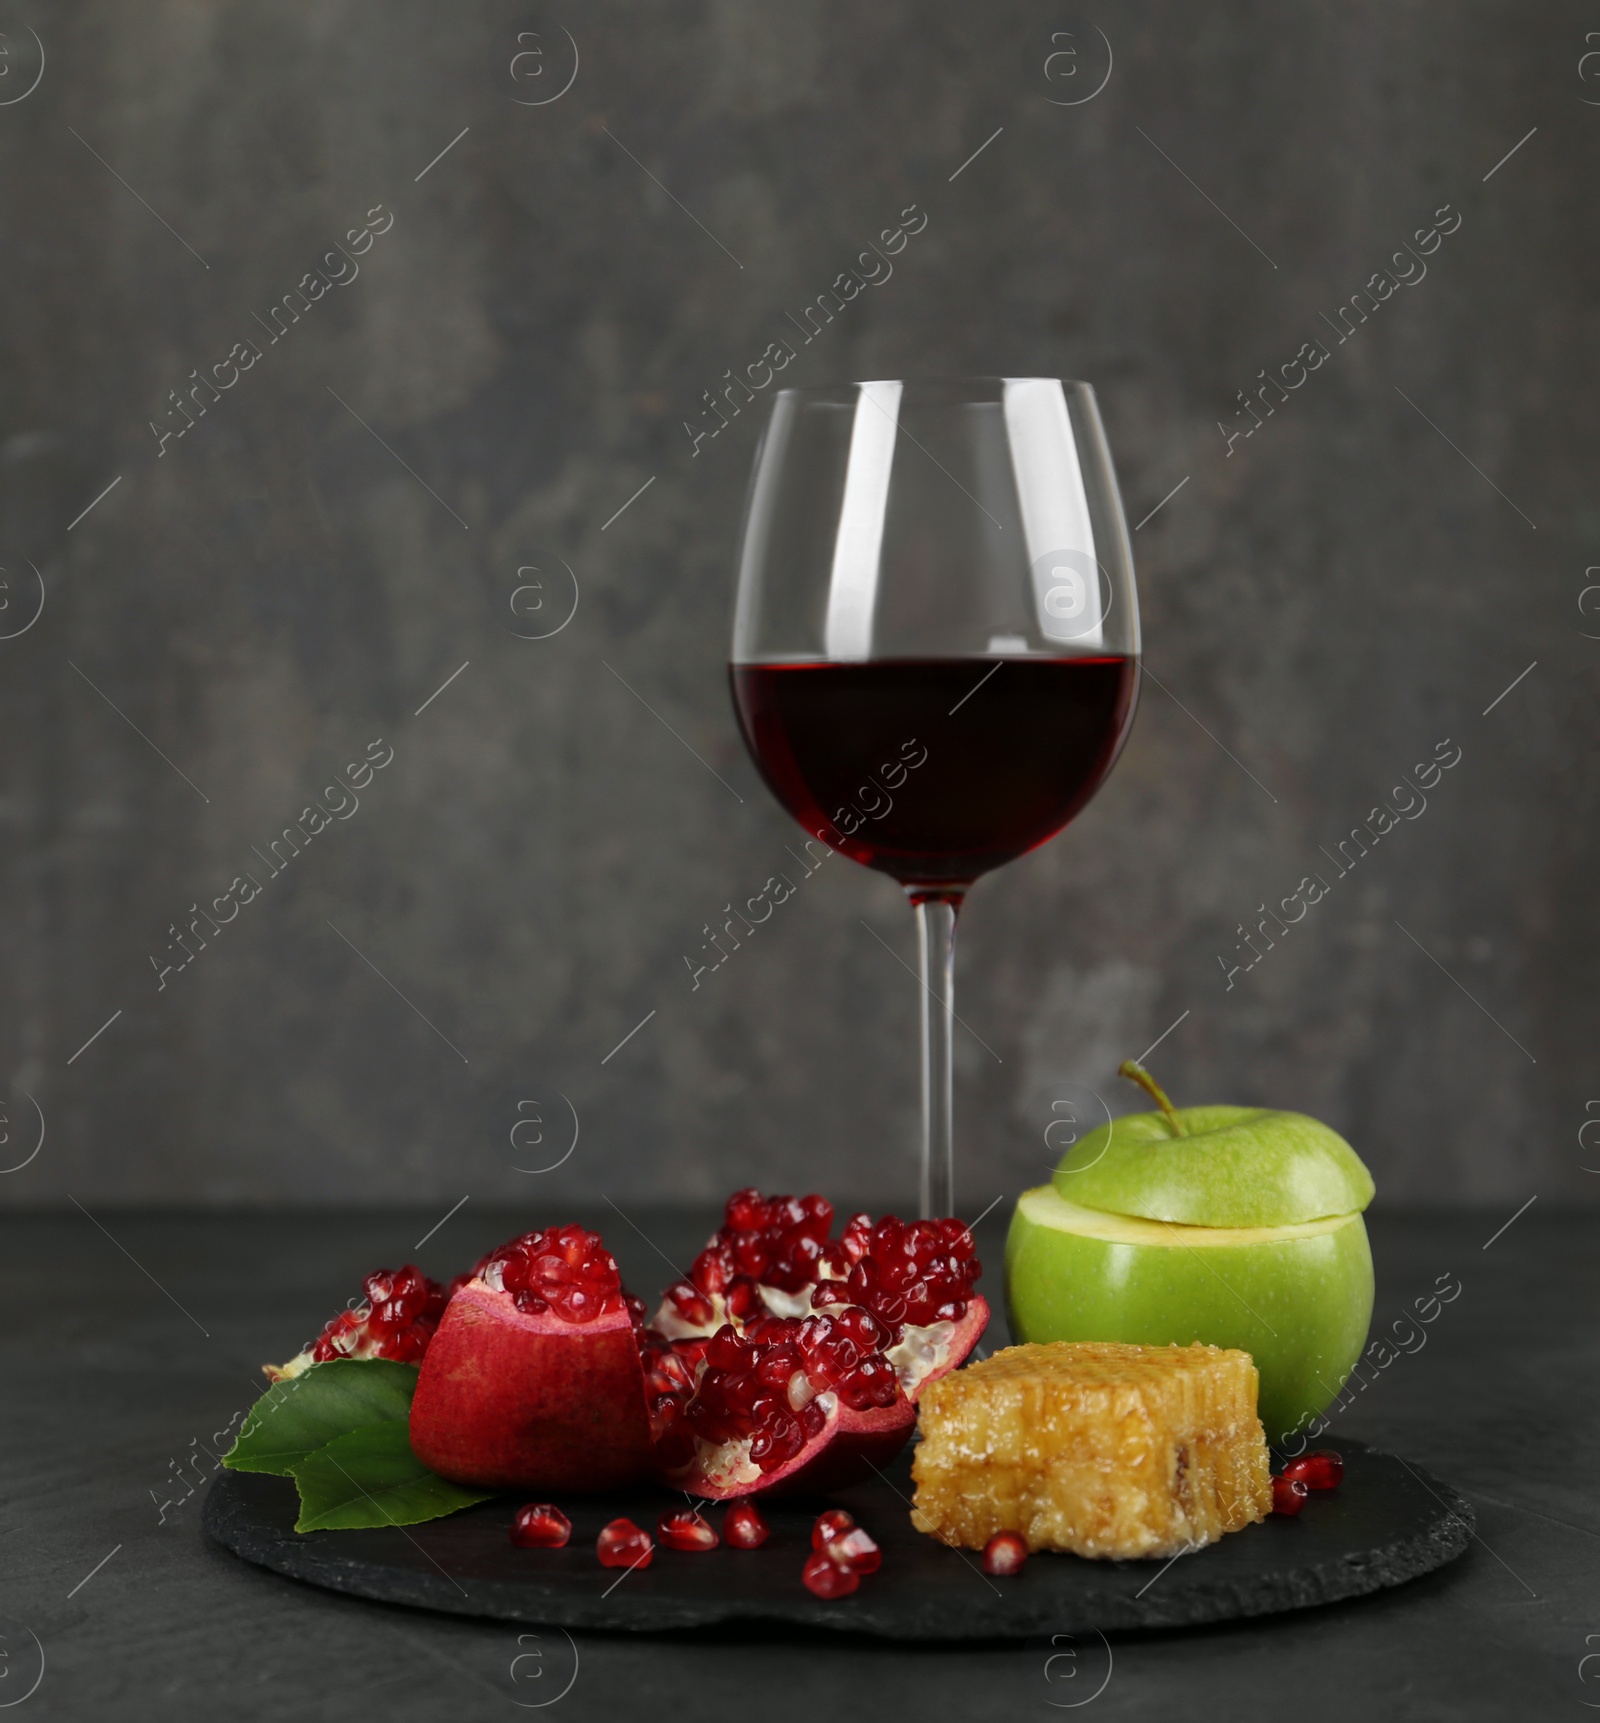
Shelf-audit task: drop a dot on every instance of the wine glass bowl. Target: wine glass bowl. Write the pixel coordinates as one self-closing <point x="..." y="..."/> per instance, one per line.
<point x="936" y="639"/>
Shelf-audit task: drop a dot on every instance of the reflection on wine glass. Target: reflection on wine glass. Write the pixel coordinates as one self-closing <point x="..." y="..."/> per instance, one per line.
<point x="936" y="642"/>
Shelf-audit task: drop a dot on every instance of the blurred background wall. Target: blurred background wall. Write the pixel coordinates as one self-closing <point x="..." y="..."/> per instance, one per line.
<point x="487" y="416"/>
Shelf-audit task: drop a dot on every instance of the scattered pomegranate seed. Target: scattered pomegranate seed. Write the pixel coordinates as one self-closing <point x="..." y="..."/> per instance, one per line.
<point x="824" y="1577"/>
<point x="834" y="1523"/>
<point x="623" y="1544"/>
<point x="1288" y="1495"/>
<point x="743" y="1527"/>
<point x="855" y="1550"/>
<point x="686" y="1530"/>
<point x="1004" y="1553"/>
<point x="539" y="1526"/>
<point x="1323" y="1470"/>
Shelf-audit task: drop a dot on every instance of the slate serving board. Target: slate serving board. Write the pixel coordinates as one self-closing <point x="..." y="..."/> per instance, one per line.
<point x="1388" y="1523"/>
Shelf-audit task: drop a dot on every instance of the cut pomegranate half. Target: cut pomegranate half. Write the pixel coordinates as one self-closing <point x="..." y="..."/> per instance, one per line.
<point x="534" y="1379"/>
<point x="789" y="1361"/>
<point x="772" y="1257"/>
<point x="789" y="1404"/>
<point x="395" y="1318"/>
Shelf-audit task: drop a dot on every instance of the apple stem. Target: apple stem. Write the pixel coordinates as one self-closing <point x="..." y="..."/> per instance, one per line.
<point x="1136" y="1073"/>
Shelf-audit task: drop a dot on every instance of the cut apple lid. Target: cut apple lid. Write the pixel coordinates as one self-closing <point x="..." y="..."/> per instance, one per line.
<point x="1233" y="1167"/>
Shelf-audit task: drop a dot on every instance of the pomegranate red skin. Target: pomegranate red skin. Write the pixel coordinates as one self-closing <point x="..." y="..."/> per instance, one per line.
<point x="507" y="1400"/>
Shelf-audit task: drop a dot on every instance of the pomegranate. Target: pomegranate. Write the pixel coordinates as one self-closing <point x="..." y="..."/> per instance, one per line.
<point x="824" y="1577"/>
<point x="789" y="1360"/>
<point x="808" y="1404"/>
<point x="686" y="1530"/>
<point x="773" y="1256"/>
<point x="1288" y="1495"/>
<point x="623" y="1544"/>
<point x="743" y="1528"/>
<point x="833" y="1524"/>
<point x="395" y="1318"/>
<point x="856" y="1551"/>
<point x="1005" y="1553"/>
<point x="534" y="1379"/>
<point x="539" y="1526"/>
<point x="762" y="1258"/>
<point x="1323" y="1470"/>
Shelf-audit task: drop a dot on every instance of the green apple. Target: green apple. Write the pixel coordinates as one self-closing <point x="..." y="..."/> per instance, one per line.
<point x="1239" y="1226"/>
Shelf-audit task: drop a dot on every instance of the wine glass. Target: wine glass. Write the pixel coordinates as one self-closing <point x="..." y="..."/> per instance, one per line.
<point x="935" y="643"/>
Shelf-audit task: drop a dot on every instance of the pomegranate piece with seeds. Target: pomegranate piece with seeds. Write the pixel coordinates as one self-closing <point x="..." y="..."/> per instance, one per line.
<point x="539" y="1526"/>
<point x="771" y="1243"/>
<point x="789" y="1360"/>
<point x="773" y="1256"/>
<point x="1323" y="1470"/>
<point x="790" y="1403"/>
<point x="686" y="1530"/>
<point x="534" y="1379"/>
<point x="623" y="1544"/>
<point x="1288" y="1495"/>
<point x="743" y="1528"/>
<point x="395" y="1318"/>
<point x="824" y="1577"/>
<point x="1004" y="1553"/>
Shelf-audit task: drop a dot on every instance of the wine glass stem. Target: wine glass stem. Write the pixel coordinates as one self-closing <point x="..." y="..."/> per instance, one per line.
<point x="936" y="933"/>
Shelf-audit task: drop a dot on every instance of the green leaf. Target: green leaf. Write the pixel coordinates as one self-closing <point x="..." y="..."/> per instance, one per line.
<point x="371" y="1478"/>
<point x="293" y="1419"/>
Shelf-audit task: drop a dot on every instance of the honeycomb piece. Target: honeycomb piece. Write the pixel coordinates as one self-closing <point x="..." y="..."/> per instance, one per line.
<point x="1097" y="1448"/>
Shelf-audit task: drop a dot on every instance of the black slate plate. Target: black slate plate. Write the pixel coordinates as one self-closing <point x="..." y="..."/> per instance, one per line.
<point x="1388" y="1523"/>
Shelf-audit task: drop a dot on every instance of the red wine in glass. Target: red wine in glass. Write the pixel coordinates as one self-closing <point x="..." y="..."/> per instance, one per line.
<point x="936" y="770"/>
<point x="935" y="643"/>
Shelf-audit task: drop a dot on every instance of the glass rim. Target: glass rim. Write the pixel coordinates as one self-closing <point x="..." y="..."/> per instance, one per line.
<point x="936" y="379"/>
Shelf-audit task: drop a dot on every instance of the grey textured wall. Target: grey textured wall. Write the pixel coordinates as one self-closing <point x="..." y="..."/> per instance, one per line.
<point x="259" y="599"/>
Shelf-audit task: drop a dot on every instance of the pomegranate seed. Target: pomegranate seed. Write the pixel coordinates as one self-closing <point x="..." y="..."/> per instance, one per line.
<point x="824" y="1577"/>
<point x="743" y="1527"/>
<point x="1004" y="1553"/>
<point x="686" y="1530"/>
<point x="539" y="1526"/>
<point x="1323" y="1470"/>
<point x="1288" y="1495"/>
<point x="834" y="1523"/>
<point x="856" y="1551"/>
<point x="623" y="1544"/>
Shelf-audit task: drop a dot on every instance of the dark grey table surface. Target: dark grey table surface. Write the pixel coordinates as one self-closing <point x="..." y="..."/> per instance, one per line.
<point x="126" y="1349"/>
